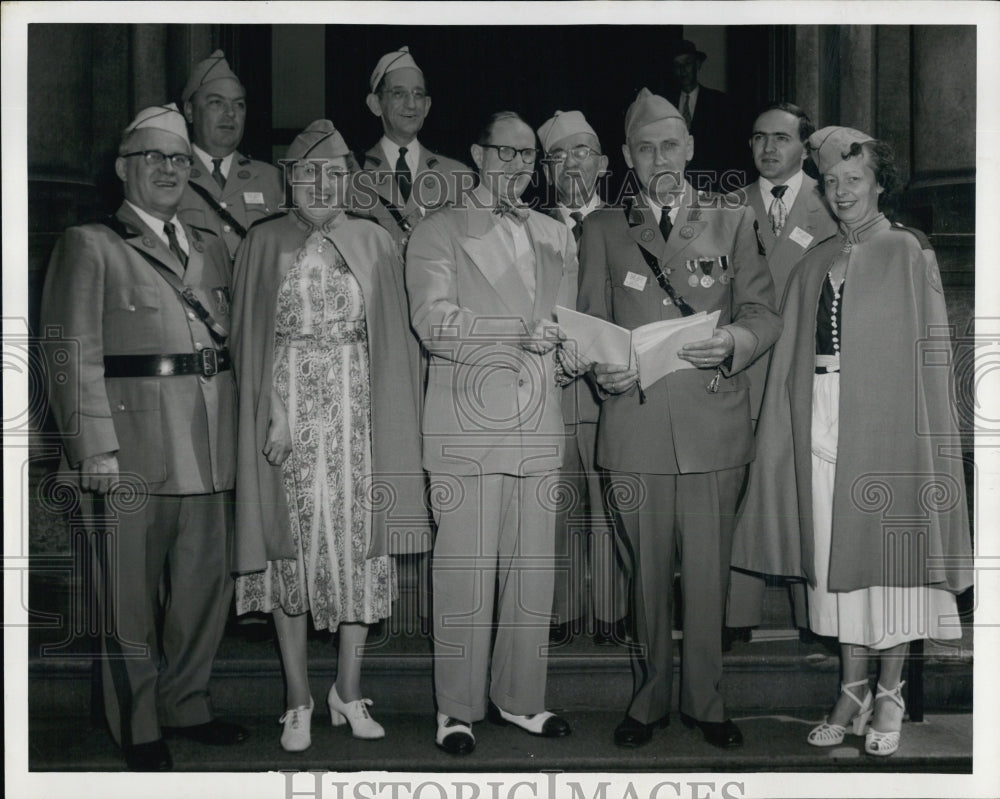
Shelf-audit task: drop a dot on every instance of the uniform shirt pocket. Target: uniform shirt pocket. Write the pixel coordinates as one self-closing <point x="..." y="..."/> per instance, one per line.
<point x="133" y="318"/>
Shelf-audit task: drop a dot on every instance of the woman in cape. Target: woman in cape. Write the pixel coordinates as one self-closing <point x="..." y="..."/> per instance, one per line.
<point x="858" y="484"/>
<point x="329" y="482"/>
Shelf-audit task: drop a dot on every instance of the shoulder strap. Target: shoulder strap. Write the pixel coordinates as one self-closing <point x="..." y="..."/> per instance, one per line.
<point x="677" y="299"/>
<point x="221" y="212"/>
<point x="186" y="293"/>
<point x="403" y="222"/>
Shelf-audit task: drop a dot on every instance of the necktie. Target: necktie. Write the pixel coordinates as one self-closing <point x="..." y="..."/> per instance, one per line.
<point x="217" y="172"/>
<point x="403" y="176"/>
<point x="577" y="217"/>
<point x="778" y="212"/>
<point x="665" y="224"/>
<point x="686" y="110"/>
<point x="175" y="245"/>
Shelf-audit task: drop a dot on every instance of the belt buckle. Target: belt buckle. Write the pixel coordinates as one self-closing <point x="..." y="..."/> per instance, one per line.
<point x="209" y="362"/>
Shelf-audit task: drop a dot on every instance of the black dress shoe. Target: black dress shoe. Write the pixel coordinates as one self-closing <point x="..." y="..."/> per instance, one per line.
<point x="152" y="756"/>
<point x="724" y="734"/>
<point x="632" y="733"/>
<point x="733" y="634"/>
<point x="215" y="732"/>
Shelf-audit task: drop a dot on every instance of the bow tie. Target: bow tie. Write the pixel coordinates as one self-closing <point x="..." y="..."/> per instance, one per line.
<point x="518" y="212"/>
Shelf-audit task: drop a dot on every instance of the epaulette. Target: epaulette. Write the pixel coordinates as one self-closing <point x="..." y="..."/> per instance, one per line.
<point x="920" y="236"/>
<point x="356" y="214"/>
<point x="268" y="218"/>
<point x="374" y="159"/>
<point x="243" y="161"/>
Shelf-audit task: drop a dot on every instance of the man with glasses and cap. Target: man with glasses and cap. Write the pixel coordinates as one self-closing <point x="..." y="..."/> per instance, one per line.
<point x="484" y="277"/>
<point x="585" y="536"/>
<point x="402" y="179"/>
<point x="676" y="451"/>
<point x="227" y="191"/>
<point x="146" y="407"/>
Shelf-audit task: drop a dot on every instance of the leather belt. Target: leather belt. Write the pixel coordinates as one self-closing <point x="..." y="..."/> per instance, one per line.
<point x="206" y="362"/>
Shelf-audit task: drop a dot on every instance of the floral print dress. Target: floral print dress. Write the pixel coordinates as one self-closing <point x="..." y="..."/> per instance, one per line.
<point x="321" y="374"/>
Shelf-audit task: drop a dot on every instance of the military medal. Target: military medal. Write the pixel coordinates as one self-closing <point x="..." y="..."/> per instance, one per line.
<point x="724" y="275"/>
<point x="706" y="264"/>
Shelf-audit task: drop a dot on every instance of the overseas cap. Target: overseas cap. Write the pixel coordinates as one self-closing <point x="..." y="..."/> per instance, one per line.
<point x="648" y="107"/>
<point x="563" y="124"/>
<point x="215" y="67"/>
<point x="320" y="140"/>
<point x="160" y="117"/>
<point x="397" y="59"/>
<point x="831" y="145"/>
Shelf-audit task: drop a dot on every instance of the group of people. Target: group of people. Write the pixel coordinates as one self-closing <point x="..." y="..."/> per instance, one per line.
<point x="297" y="376"/>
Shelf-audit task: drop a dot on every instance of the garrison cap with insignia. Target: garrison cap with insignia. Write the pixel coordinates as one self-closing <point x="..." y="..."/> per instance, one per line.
<point x="646" y="108"/>
<point x="213" y="68"/>
<point x="831" y="145"/>
<point x="397" y="59"/>
<point x="320" y="139"/>
<point x="561" y="125"/>
<point x="160" y="117"/>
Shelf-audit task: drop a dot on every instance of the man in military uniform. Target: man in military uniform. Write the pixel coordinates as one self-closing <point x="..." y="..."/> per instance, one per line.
<point x="791" y="215"/>
<point x="227" y="191"/>
<point x="676" y="451"/>
<point x="401" y="178"/>
<point x="585" y="537"/>
<point x="147" y="412"/>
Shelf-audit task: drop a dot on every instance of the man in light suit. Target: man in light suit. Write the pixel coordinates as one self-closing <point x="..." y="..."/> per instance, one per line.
<point x="147" y="412"/>
<point x="484" y="277"/>
<point x="402" y="180"/>
<point x="585" y="534"/>
<point x="227" y="191"/>
<point x="790" y="215"/>
<point x="676" y="451"/>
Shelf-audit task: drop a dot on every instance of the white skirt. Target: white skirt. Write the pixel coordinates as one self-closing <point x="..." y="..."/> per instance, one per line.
<point x="879" y="617"/>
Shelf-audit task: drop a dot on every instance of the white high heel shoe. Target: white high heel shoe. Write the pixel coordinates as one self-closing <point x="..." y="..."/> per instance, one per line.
<point x="355" y="713"/>
<point x="883" y="744"/>
<point x="827" y="734"/>
<point x="295" y="737"/>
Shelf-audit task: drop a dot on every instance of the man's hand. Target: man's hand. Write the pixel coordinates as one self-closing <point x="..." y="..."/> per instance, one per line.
<point x="615" y="378"/>
<point x="543" y="337"/>
<point x="570" y="360"/>
<point x="710" y="352"/>
<point x="99" y="473"/>
<point x="278" y="445"/>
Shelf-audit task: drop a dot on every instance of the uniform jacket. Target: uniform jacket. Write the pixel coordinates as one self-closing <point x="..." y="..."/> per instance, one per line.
<point x="491" y="406"/>
<point x="176" y="433"/>
<point x="898" y="453"/>
<point x="682" y="427"/>
<point x="253" y="190"/>
<point x="436" y="182"/>
<point x="262" y="526"/>
<point x="808" y="214"/>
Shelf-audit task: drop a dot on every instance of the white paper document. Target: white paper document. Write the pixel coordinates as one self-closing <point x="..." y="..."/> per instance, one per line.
<point x="652" y="348"/>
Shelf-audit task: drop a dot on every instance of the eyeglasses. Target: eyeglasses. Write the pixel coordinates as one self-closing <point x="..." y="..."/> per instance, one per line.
<point x="507" y="153"/>
<point x="399" y="94"/>
<point x="580" y="153"/>
<point x="156" y="158"/>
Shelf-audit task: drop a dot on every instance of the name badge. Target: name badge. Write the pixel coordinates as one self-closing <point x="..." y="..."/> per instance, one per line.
<point x="257" y="198"/>
<point x="800" y="237"/>
<point x="634" y="281"/>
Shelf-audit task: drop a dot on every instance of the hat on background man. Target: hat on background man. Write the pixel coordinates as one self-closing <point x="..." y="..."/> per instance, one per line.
<point x="397" y="59"/>
<point x="680" y="47"/>
<point x="213" y="68"/>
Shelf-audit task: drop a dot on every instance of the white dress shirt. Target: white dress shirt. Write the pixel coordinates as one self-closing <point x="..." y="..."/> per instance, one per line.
<point x="156" y="225"/>
<point x="206" y="159"/>
<point x="794" y="183"/>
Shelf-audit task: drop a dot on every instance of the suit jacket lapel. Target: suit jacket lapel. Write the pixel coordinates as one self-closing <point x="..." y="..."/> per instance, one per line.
<point x="147" y="242"/>
<point x="760" y="212"/>
<point x="486" y="246"/>
<point x="686" y="230"/>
